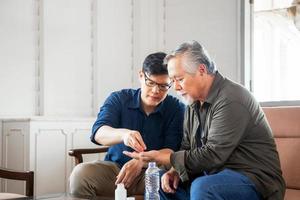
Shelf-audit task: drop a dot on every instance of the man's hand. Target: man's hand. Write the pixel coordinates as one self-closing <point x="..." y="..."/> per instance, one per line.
<point x="129" y="172"/>
<point x="162" y="157"/>
<point x="134" y="140"/>
<point x="169" y="181"/>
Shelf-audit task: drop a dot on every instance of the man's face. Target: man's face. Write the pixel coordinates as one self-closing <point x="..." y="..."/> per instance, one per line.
<point x="154" y="89"/>
<point x="184" y="83"/>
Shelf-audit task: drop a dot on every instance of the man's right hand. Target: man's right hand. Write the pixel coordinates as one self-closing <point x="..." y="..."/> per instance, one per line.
<point x="170" y="181"/>
<point x="134" y="140"/>
<point x="129" y="172"/>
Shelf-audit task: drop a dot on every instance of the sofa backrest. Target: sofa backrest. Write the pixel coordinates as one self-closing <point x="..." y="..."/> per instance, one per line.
<point x="285" y="124"/>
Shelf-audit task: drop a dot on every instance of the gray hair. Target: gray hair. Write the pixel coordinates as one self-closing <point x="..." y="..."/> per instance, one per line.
<point x="195" y="54"/>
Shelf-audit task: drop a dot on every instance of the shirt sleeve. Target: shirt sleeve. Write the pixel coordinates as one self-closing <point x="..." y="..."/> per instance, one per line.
<point x="228" y="125"/>
<point x="109" y="114"/>
<point x="185" y="143"/>
<point x="173" y="133"/>
<point x="177" y="158"/>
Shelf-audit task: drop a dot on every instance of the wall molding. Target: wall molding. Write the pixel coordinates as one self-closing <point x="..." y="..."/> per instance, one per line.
<point x="39" y="58"/>
<point x="132" y="43"/>
<point x="94" y="59"/>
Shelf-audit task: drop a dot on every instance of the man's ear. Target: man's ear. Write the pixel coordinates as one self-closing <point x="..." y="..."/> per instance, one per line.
<point x="202" y="69"/>
<point x="141" y="75"/>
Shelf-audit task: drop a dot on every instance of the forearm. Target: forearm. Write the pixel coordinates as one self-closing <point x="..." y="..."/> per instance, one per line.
<point x="107" y="135"/>
<point x="166" y="150"/>
<point x="163" y="157"/>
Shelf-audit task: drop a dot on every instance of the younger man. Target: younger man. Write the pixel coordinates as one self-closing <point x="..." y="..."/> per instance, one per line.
<point x="143" y="119"/>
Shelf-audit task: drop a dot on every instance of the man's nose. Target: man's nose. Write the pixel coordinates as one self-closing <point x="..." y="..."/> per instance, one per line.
<point x="155" y="89"/>
<point x="177" y="86"/>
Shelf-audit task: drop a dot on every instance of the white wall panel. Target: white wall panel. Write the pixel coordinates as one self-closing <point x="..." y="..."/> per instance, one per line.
<point x="17" y="55"/>
<point x="148" y="32"/>
<point x="51" y="144"/>
<point x="115" y="47"/>
<point x="14" y="154"/>
<point x="67" y="57"/>
<point x="14" y="143"/>
<point x="213" y="23"/>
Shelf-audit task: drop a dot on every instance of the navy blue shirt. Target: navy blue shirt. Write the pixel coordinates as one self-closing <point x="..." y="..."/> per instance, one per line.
<point x="163" y="128"/>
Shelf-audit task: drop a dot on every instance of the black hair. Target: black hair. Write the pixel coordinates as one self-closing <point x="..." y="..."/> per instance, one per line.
<point x="154" y="64"/>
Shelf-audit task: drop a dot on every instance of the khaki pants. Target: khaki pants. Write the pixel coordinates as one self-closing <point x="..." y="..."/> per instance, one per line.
<point x="98" y="178"/>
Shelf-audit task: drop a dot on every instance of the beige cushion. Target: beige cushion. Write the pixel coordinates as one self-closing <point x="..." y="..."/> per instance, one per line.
<point x="289" y="149"/>
<point x="284" y="121"/>
<point x="285" y="124"/>
<point x="291" y="194"/>
<point x="10" y="196"/>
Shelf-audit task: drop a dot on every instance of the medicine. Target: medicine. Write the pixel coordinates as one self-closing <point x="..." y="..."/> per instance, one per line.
<point x="120" y="192"/>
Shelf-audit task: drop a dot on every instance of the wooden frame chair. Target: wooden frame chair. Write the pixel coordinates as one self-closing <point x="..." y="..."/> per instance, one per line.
<point x="27" y="176"/>
<point x="77" y="153"/>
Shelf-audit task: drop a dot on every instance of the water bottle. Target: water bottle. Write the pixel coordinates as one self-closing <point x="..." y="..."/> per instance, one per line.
<point x="120" y="192"/>
<point x="152" y="182"/>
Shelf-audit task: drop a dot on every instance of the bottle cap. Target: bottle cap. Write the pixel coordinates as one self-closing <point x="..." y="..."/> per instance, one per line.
<point x="151" y="164"/>
<point x="120" y="185"/>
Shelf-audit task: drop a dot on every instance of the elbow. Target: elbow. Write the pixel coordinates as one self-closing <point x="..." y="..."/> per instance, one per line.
<point x="200" y="160"/>
<point x="216" y="158"/>
<point x="99" y="138"/>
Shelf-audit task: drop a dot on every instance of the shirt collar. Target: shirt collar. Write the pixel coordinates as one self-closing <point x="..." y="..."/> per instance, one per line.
<point x="136" y="103"/>
<point x="215" y="88"/>
<point x="213" y="92"/>
<point x="136" y="100"/>
<point x="161" y="107"/>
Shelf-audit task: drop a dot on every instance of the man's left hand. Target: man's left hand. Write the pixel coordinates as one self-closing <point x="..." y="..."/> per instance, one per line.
<point x="162" y="157"/>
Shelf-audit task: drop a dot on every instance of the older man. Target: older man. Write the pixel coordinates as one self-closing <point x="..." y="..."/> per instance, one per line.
<point x="227" y="151"/>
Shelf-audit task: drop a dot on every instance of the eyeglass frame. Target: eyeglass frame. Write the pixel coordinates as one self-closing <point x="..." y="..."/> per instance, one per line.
<point x="161" y="87"/>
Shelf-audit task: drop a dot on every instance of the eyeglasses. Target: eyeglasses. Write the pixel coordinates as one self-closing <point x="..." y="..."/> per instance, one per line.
<point x="161" y="87"/>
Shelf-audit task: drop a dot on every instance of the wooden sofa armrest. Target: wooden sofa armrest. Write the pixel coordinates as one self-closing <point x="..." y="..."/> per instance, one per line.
<point x="77" y="153"/>
<point x="27" y="176"/>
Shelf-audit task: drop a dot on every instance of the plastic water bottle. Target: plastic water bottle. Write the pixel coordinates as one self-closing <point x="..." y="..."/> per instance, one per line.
<point x="152" y="182"/>
<point x="120" y="192"/>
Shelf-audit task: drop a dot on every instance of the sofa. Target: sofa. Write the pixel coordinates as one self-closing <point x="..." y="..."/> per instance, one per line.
<point x="285" y="124"/>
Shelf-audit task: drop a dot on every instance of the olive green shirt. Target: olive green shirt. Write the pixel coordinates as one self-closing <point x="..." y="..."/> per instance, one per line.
<point x="235" y="135"/>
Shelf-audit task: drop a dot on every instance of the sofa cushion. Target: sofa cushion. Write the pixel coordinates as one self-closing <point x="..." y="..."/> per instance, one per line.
<point x="289" y="149"/>
<point x="285" y="124"/>
<point x="284" y="121"/>
<point x="291" y="194"/>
